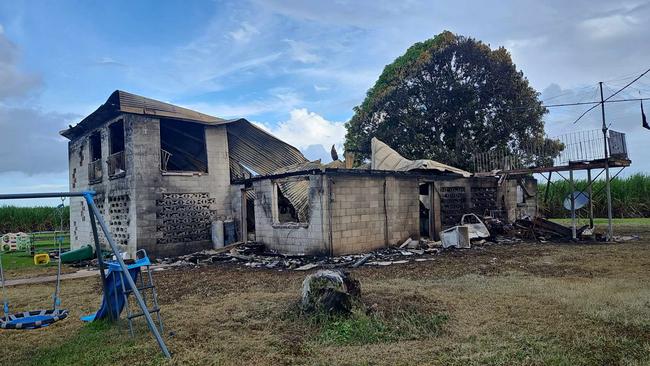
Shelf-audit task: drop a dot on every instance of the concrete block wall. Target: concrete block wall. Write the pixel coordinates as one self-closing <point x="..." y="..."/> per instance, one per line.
<point x="107" y="189"/>
<point x="151" y="183"/>
<point x="505" y="197"/>
<point x="292" y="238"/>
<point x="144" y="184"/>
<point x="361" y="222"/>
<point x="403" y="207"/>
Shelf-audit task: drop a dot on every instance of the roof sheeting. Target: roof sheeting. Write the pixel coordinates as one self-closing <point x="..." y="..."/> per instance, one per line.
<point x="131" y="103"/>
<point x="258" y="150"/>
<point x="124" y="102"/>
<point x="297" y="192"/>
<point x="385" y="158"/>
<point x="250" y="148"/>
<point x="253" y="148"/>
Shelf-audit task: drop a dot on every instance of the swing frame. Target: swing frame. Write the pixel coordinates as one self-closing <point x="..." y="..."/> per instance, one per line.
<point x="36" y="318"/>
<point x="96" y="217"/>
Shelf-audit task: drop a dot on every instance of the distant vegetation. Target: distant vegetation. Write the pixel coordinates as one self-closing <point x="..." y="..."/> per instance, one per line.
<point x="29" y="219"/>
<point x="630" y="197"/>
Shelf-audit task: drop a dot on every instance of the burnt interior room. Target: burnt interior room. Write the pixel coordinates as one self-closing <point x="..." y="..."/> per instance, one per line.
<point x="95" y="142"/>
<point x="425" y="210"/>
<point x="116" y="137"/>
<point x="286" y="211"/>
<point x="183" y="146"/>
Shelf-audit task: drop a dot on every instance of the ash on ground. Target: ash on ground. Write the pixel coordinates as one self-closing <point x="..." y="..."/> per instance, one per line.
<point x="255" y="255"/>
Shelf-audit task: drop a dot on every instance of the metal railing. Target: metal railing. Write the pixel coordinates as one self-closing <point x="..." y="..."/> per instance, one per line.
<point x="116" y="164"/>
<point x="164" y="159"/>
<point x="95" y="172"/>
<point x="562" y="150"/>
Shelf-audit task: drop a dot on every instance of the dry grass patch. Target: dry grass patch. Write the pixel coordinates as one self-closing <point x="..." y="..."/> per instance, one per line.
<point x="529" y="304"/>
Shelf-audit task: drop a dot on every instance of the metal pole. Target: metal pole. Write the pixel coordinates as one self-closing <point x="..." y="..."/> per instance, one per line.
<point x="14" y="196"/>
<point x="100" y="262"/>
<point x="573" y="206"/>
<point x="125" y="270"/>
<point x="591" y="201"/>
<point x="548" y="186"/>
<point x="5" y="298"/>
<point x="610" y="232"/>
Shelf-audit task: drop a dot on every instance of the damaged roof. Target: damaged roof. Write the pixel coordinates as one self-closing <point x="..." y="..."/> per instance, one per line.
<point x="124" y="102"/>
<point x="385" y="158"/>
<point x="251" y="149"/>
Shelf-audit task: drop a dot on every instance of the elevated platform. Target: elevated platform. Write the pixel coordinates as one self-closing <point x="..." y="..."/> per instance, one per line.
<point x="573" y="165"/>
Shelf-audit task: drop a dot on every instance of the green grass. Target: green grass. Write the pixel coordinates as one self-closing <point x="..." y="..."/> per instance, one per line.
<point x="95" y="343"/>
<point x="18" y="260"/>
<point x="641" y="221"/>
<point x="361" y="328"/>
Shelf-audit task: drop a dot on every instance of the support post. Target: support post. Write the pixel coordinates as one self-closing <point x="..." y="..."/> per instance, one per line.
<point x="573" y="206"/>
<point x="608" y="188"/>
<point x="244" y="217"/>
<point x="548" y="187"/>
<point x="591" y="201"/>
<point x="100" y="262"/>
<point x="432" y="213"/>
<point x="127" y="276"/>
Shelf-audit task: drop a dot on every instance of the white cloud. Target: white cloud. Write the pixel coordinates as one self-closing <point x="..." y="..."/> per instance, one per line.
<point x="30" y="140"/>
<point x="244" y="34"/>
<point x="13" y="81"/>
<point x="305" y="128"/>
<point x="279" y="99"/>
<point x="108" y="61"/>
<point x="612" y="26"/>
<point x="302" y="52"/>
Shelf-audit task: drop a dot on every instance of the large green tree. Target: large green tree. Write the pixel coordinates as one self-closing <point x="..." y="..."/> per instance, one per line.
<point x="447" y="98"/>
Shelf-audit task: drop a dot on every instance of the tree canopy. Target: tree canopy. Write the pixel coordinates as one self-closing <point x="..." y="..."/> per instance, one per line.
<point x="447" y="98"/>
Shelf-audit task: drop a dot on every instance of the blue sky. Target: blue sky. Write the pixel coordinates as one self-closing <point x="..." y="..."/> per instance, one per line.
<point x="297" y="67"/>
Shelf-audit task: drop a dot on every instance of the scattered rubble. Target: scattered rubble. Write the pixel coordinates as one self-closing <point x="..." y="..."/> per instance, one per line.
<point x="477" y="229"/>
<point x="487" y="231"/>
<point x="254" y="255"/>
<point x="456" y="237"/>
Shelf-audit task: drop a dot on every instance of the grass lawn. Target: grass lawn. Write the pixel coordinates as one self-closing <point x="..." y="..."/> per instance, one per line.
<point x="21" y="264"/>
<point x="602" y="222"/>
<point x="524" y="304"/>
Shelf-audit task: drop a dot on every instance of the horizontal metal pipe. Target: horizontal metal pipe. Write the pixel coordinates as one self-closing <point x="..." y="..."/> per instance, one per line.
<point x="14" y="196"/>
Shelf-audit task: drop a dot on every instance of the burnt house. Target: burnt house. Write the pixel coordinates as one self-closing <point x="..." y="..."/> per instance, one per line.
<point x="163" y="174"/>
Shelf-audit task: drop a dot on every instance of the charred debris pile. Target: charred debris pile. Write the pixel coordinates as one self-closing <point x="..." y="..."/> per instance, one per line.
<point x="472" y="233"/>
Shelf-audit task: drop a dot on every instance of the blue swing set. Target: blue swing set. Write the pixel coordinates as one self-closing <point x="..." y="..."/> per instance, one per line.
<point x="36" y="318"/>
<point x="43" y="318"/>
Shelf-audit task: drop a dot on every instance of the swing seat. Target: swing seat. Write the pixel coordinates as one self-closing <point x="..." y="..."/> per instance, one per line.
<point x="32" y="319"/>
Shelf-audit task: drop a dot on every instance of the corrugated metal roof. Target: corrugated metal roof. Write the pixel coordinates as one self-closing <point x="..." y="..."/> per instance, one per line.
<point x="297" y="192"/>
<point x="249" y="146"/>
<point x="131" y="103"/>
<point x="123" y="102"/>
<point x="258" y="150"/>
<point x="385" y="158"/>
